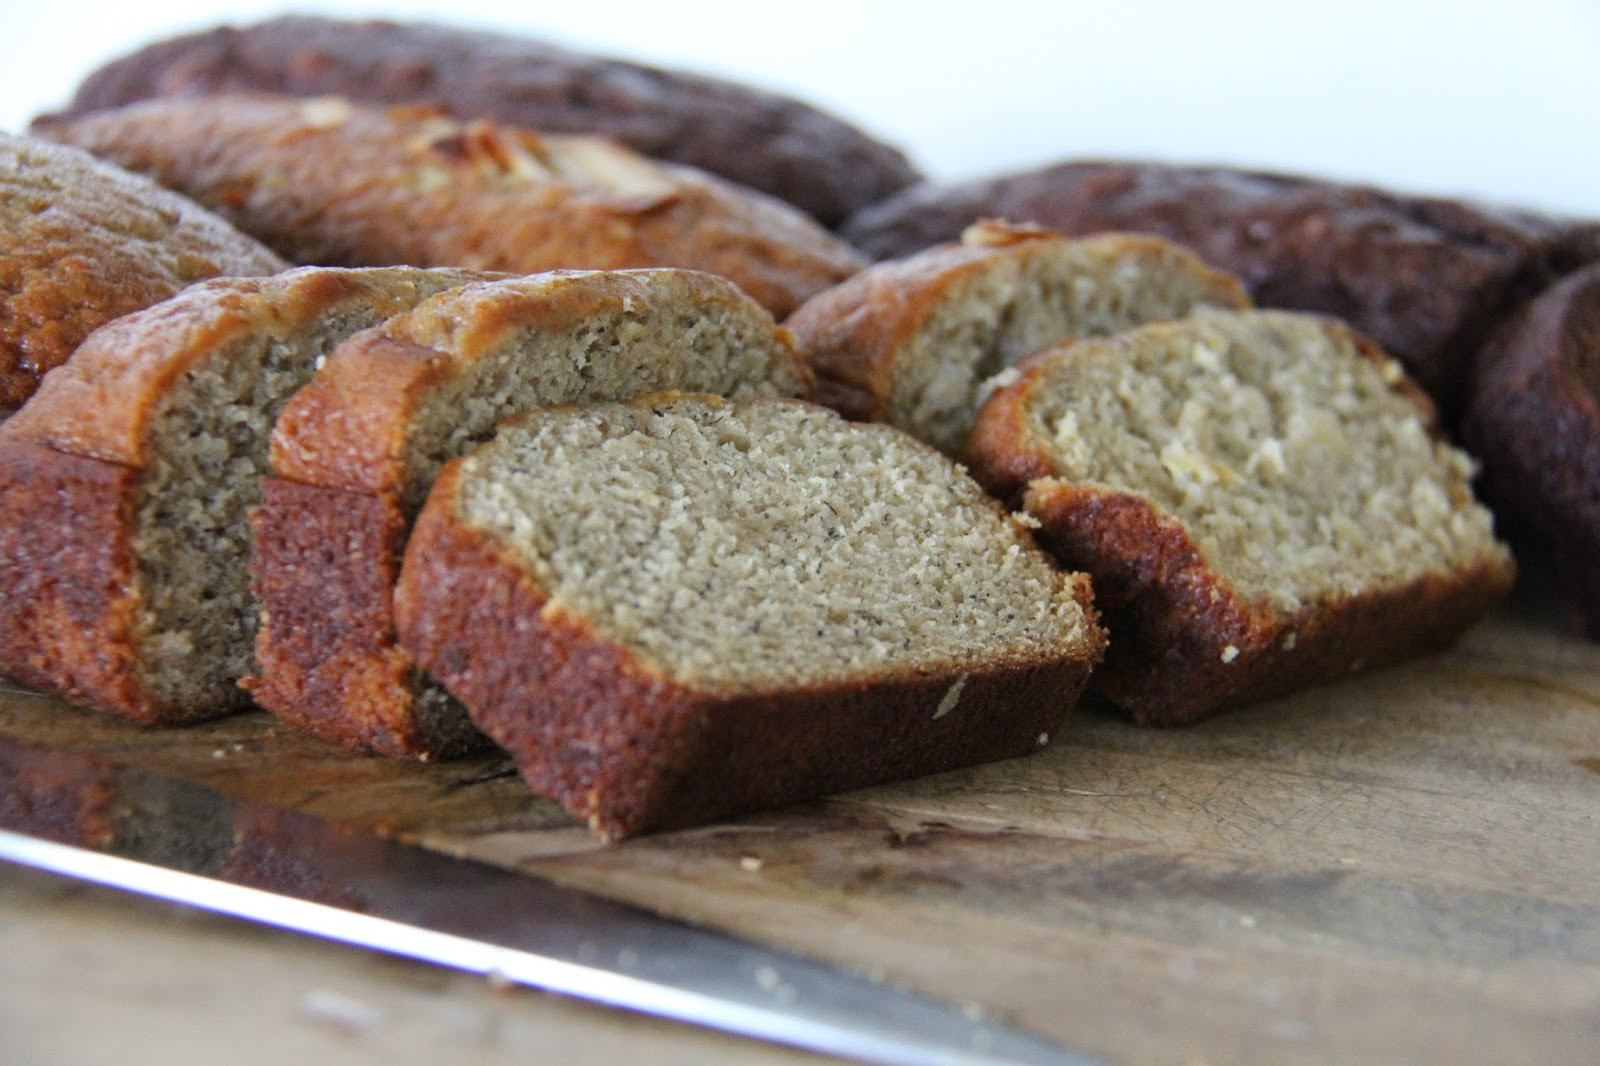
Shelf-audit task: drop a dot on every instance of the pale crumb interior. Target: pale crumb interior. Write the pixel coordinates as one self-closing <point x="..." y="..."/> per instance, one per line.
<point x="1299" y="471"/>
<point x="616" y="353"/>
<point x="1048" y="292"/>
<point x="206" y="453"/>
<point x="763" y="545"/>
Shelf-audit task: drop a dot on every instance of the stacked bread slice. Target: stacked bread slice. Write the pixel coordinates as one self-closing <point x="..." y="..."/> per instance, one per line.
<point x="125" y="485"/>
<point x="355" y="453"/>
<point x="677" y="608"/>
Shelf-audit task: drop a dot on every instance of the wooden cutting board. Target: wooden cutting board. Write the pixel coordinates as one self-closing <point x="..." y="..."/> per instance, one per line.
<point x="1401" y="867"/>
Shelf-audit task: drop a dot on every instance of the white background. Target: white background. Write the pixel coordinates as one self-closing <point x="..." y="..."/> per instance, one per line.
<point x="1496" y="100"/>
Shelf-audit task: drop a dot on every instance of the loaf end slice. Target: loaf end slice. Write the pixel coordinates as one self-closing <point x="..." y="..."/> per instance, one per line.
<point x="356" y="451"/>
<point x="124" y="545"/>
<point x="914" y="342"/>
<point x="1260" y="498"/>
<point x="681" y="608"/>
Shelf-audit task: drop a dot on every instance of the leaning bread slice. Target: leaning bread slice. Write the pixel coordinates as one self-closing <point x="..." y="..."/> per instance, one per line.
<point x="913" y="342"/>
<point x="1260" y="498"/>
<point x="331" y="182"/>
<point x="679" y="608"/>
<point x="125" y="484"/>
<point x="356" y="452"/>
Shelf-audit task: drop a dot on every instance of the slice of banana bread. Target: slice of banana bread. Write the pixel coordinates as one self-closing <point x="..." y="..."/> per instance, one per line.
<point x="912" y="342"/>
<point x="125" y="484"/>
<point x="768" y="142"/>
<point x="679" y="608"/>
<point x="1261" y="499"/>
<point x="333" y="183"/>
<point x="1534" y="420"/>
<point x="357" y="450"/>
<point x="81" y="242"/>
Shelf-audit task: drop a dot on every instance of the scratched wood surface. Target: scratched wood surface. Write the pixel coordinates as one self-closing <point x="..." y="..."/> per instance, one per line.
<point x="1404" y="866"/>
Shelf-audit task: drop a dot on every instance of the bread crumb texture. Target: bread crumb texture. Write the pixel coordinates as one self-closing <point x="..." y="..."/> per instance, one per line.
<point x="1280" y="442"/>
<point x="767" y="544"/>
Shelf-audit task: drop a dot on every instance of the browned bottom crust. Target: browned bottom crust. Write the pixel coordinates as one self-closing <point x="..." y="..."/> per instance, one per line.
<point x="325" y="564"/>
<point x="67" y="601"/>
<point x="633" y="751"/>
<point x="1185" y="646"/>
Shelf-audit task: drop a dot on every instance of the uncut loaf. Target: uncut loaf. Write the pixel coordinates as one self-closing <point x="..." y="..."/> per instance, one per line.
<point x="772" y="143"/>
<point x="355" y="452"/>
<point x="329" y="182"/>
<point x="1260" y="498"/>
<point x="913" y="342"/>
<point x="680" y="608"/>
<point x="81" y="242"/>
<point x="125" y="483"/>
<point x="1427" y="279"/>
<point x="1534" y="421"/>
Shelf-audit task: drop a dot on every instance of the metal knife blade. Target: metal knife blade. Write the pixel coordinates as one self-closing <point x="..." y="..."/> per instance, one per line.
<point x="189" y="844"/>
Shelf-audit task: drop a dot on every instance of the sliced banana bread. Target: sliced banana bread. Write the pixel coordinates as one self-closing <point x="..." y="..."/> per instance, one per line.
<point x="356" y="452"/>
<point x="772" y="143"/>
<point x="1261" y="499"/>
<point x="680" y="608"/>
<point x="1534" y="420"/>
<point x="81" y="242"/>
<point x="912" y="342"/>
<point x="125" y="484"/>
<point x="333" y="183"/>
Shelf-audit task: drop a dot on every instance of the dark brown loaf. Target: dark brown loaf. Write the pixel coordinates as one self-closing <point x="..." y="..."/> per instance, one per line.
<point x="767" y="142"/>
<point x="125" y="482"/>
<point x="1425" y="278"/>
<point x="81" y="242"/>
<point x="356" y="451"/>
<point x="332" y="183"/>
<point x="1260" y="499"/>
<point x="559" y="581"/>
<point x="1534" y="421"/>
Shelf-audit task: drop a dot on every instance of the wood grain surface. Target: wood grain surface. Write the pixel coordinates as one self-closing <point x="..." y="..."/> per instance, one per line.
<point x="1399" y="867"/>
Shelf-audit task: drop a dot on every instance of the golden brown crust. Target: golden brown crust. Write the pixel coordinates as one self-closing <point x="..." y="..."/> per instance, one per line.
<point x="82" y="242"/>
<point x="1184" y="644"/>
<point x="853" y="335"/>
<point x="633" y="751"/>
<point x="329" y="182"/>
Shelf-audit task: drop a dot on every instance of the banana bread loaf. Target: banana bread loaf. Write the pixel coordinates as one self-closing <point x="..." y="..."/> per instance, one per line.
<point x="328" y="182"/>
<point x="1260" y="498"/>
<point x="1534" y="421"/>
<point x="680" y="608"/>
<point x="81" y="242"/>
<point x="355" y="452"/>
<point x="912" y="342"/>
<point x="1425" y="278"/>
<point x="767" y="142"/>
<point x="125" y="484"/>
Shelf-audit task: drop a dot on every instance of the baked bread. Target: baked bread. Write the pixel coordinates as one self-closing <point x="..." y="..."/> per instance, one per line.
<point x="1534" y="421"/>
<point x="329" y="182"/>
<point x="81" y="242"/>
<point x="1427" y="279"/>
<point x="767" y="142"/>
<point x="912" y="342"/>
<point x="1259" y="497"/>
<point x="680" y="608"/>
<point x="355" y="452"/>
<point x="125" y="484"/>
